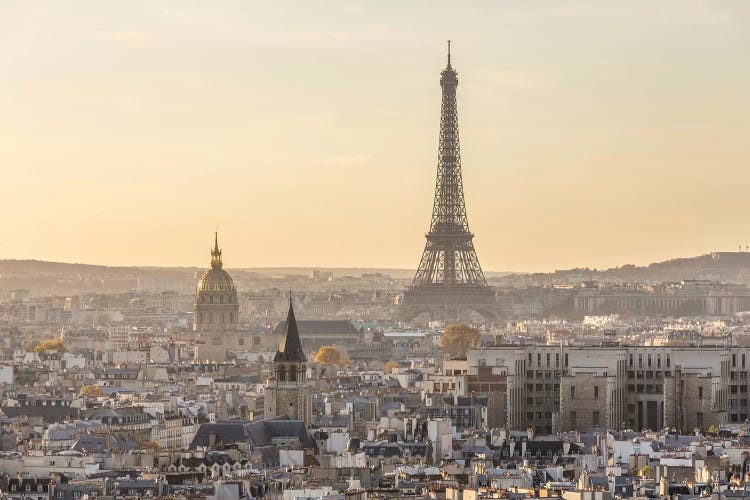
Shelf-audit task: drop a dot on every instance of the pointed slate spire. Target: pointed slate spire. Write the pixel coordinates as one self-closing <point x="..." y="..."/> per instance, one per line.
<point x="290" y="347"/>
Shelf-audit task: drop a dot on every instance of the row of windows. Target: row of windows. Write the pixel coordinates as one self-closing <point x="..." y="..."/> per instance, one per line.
<point x="225" y="317"/>
<point x="43" y="402"/>
<point x="649" y="389"/>
<point x="543" y="401"/>
<point x="220" y="301"/>
<point x="548" y="358"/>
<point x="649" y="374"/>
<point x="649" y="360"/>
<point x="543" y="387"/>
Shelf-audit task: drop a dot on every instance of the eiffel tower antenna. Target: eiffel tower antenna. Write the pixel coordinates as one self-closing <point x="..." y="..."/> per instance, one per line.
<point x="449" y="280"/>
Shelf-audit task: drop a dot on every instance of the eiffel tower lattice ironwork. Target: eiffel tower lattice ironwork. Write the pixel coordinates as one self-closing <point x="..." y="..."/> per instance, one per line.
<point x="449" y="280"/>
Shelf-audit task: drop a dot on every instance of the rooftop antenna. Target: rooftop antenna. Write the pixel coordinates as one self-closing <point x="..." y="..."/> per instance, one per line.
<point x="449" y="53"/>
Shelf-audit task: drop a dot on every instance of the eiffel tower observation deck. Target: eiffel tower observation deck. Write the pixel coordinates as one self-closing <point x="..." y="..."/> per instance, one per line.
<point x="449" y="283"/>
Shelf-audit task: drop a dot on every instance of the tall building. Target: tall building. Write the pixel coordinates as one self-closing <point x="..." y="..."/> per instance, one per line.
<point x="449" y="281"/>
<point x="216" y="314"/>
<point x="287" y="393"/>
<point x="559" y="388"/>
<point x="216" y="305"/>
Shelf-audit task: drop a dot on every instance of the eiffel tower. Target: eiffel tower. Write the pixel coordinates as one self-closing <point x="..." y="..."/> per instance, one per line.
<point x="449" y="282"/>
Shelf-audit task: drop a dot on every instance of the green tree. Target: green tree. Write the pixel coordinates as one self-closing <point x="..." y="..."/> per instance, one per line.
<point x="457" y="339"/>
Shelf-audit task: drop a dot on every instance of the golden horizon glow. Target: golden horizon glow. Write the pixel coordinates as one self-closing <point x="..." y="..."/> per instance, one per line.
<point x="592" y="134"/>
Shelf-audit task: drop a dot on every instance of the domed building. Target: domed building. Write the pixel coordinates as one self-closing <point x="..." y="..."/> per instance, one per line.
<point x="216" y="319"/>
<point x="216" y="322"/>
<point x="216" y="305"/>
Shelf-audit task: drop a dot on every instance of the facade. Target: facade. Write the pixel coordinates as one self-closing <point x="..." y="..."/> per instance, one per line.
<point x="560" y="388"/>
<point x="686" y="298"/>
<point x="287" y="393"/>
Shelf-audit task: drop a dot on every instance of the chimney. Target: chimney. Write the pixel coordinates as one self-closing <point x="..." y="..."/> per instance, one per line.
<point x="211" y="439"/>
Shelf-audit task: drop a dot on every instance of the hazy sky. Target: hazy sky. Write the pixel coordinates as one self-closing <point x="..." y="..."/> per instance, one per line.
<point x="593" y="133"/>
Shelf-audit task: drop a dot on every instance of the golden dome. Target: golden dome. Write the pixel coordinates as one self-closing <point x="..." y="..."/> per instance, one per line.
<point x="216" y="280"/>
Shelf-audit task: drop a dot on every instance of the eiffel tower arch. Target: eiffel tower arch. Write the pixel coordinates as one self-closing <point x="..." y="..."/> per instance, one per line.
<point x="449" y="282"/>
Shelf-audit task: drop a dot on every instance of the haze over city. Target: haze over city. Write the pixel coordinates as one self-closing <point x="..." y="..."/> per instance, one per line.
<point x="306" y="132"/>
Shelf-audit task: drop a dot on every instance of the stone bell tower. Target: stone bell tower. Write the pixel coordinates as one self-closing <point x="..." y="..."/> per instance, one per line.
<point x="287" y="392"/>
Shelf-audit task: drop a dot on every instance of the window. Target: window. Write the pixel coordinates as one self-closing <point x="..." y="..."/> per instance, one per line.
<point x="596" y="392"/>
<point x="658" y="360"/>
<point x="595" y="419"/>
<point x="649" y="361"/>
<point x="529" y="359"/>
<point x="668" y="361"/>
<point x="547" y="359"/>
<point x="640" y="361"/>
<point x="631" y="359"/>
<point x="566" y="360"/>
<point x="572" y="392"/>
<point x="573" y="423"/>
<point x="699" y="419"/>
<point x="734" y="361"/>
<point x="700" y="392"/>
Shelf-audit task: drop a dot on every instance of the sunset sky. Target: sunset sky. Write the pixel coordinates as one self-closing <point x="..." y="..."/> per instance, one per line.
<point x="593" y="133"/>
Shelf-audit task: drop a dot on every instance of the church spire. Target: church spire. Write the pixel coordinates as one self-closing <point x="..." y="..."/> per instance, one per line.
<point x="216" y="253"/>
<point x="290" y="347"/>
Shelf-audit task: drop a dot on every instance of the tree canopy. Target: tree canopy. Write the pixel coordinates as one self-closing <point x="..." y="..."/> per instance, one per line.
<point x="457" y="339"/>
<point x="329" y="355"/>
<point x="92" y="390"/>
<point x="389" y="366"/>
<point x="50" y="345"/>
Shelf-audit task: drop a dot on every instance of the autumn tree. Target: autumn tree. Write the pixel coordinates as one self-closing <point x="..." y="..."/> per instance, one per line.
<point x="153" y="445"/>
<point x="457" y="339"/>
<point x="389" y="366"/>
<point x="50" y="345"/>
<point x="92" y="390"/>
<point x="646" y="472"/>
<point x="329" y="355"/>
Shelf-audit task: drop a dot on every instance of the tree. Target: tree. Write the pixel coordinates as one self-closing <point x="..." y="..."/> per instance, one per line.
<point x="457" y="339"/>
<point x="389" y="366"/>
<point x="152" y="445"/>
<point x="50" y="345"/>
<point x="329" y="355"/>
<point x="646" y="472"/>
<point x="92" y="390"/>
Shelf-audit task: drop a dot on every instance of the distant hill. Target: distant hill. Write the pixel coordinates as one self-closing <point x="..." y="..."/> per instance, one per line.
<point x="733" y="267"/>
<point x="728" y="267"/>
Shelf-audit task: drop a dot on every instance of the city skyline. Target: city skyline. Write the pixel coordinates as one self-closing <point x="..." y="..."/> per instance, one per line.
<point x="131" y="135"/>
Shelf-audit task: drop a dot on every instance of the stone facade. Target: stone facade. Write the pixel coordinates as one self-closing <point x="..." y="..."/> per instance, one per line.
<point x="584" y="402"/>
<point x="636" y="386"/>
